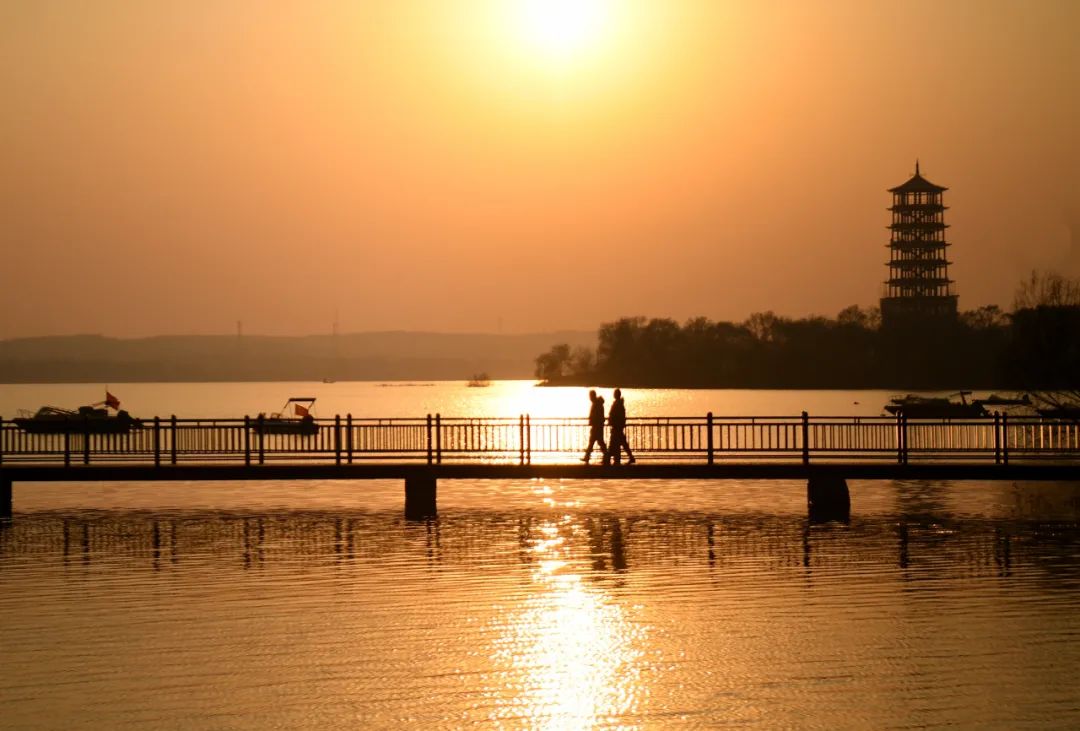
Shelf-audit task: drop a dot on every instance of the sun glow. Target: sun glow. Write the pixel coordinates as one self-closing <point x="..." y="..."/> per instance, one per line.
<point x="561" y="29"/>
<point x="572" y="652"/>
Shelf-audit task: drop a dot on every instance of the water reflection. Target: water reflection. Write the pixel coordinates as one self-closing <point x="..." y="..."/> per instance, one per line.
<point x="557" y="618"/>
<point x="574" y="548"/>
<point x="571" y="646"/>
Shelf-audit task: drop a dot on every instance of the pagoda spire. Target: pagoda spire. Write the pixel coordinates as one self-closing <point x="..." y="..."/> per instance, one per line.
<point x="918" y="289"/>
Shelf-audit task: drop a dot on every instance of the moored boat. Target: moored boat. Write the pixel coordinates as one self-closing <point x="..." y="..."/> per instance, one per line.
<point x="1069" y="413"/>
<point x="997" y="400"/>
<point x="93" y="419"/>
<point x="914" y="406"/>
<point x="295" y="417"/>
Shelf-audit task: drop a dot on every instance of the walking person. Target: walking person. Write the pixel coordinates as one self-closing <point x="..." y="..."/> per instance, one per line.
<point x="617" y="420"/>
<point x="596" y="427"/>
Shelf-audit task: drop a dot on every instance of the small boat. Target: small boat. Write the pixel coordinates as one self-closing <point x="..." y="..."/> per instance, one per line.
<point x="935" y="407"/>
<point x="294" y="418"/>
<point x="1068" y="413"/>
<point x="996" y="400"/>
<point x="93" y="419"/>
<point x="479" y="380"/>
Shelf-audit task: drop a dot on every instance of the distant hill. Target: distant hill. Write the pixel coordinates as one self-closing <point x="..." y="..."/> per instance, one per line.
<point x="356" y="356"/>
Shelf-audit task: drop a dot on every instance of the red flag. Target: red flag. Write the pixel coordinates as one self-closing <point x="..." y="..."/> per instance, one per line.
<point x="300" y="410"/>
<point x="111" y="401"/>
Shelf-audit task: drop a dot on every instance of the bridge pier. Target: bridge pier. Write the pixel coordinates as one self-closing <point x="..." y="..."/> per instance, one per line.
<point x="5" y="497"/>
<point x="420" y="490"/>
<point x="827" y="498"/>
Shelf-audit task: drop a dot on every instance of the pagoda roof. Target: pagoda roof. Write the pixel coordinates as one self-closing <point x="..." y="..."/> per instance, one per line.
<point x="917" y="184"/>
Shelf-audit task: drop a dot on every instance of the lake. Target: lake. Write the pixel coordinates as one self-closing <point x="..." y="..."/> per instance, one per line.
<point x="531" y="604"/>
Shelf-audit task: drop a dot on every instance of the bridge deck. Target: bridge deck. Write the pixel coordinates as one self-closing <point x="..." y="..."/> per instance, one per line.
<point x="720" y="471"/>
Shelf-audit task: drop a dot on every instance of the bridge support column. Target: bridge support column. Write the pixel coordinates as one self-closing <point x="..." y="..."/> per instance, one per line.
<point x="5" y="497"/>
<point x="827" y="498"/>
<point x="420" y="489"/>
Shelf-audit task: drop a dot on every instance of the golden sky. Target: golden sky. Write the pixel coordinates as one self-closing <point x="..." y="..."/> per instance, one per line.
<point x="173" y="167"/>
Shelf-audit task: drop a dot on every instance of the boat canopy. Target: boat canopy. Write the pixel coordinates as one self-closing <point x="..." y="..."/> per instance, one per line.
<point x="300" y="406"/>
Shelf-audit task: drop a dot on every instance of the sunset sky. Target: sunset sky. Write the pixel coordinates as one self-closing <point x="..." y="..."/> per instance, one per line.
<point x="466" y="165"/>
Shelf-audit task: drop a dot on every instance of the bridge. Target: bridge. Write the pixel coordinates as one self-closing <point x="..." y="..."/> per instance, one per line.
<point x="824" y="450"/>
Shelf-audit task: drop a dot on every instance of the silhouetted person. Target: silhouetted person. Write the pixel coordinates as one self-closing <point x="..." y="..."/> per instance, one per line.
<point x="596" y="427"/>
<point x="617" y="421"/>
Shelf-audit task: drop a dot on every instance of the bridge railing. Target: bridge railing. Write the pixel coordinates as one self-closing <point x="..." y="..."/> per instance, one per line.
<point x="1039" y="437"/>
<point x="435" y="439"/>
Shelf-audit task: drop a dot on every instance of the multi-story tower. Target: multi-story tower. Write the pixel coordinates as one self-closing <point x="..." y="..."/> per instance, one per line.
<point x="918" y="290"/>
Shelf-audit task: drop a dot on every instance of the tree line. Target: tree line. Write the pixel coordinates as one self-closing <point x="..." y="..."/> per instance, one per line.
<point x="1036" y="346"/>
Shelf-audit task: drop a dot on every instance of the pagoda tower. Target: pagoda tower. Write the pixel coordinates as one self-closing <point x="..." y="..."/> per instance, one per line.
<point x="918" y="291"/>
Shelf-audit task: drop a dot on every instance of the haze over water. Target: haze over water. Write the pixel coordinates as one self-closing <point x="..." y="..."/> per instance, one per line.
<point x="532" y="604"/>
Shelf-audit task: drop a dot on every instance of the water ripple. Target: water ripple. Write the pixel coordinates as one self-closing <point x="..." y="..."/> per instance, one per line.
<point x="955" y="607"/>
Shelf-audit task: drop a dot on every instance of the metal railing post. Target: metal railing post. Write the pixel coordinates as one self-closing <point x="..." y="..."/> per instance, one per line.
<point x="86" y="440"/>
<point x="438" y="439"/>
<point x="337" y="439"/>
<point x="430" y="453"/>
<point x="997" y="438"/>
<point x="900" y="437"/>
<point x="247" y="441"/>
<point x="172" y="439"/>
<point x="262" y="439"/>
<point x="67" y="442"/>
<point x="157" y="441"/>
<point x="528" y="439"/>
<point x="805" y="438"/>
<point x="904" y="435"/>
<point x="348" y="438"/>
<point x="1005" y="439"/>
<point x="709" y="436"/>
<point x="521" y="439"/>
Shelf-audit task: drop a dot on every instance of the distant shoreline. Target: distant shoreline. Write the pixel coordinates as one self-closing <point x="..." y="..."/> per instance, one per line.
<point x="375" y="356"/>
<point x="780" y="386"/>
<point x="569" y="383"/>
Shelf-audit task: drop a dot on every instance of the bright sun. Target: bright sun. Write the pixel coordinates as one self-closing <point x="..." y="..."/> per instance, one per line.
<point x="561" y="29"/>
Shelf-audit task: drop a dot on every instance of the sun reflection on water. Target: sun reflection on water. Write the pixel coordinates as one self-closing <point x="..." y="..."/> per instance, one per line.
<point x="572" y="649"/>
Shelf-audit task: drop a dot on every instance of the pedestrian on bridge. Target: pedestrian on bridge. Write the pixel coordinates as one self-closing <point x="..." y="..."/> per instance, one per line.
<point x="618" y="442"/>
<point x="596" y="427"/>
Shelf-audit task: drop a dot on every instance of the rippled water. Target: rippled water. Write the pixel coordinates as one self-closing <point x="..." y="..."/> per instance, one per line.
<point x="539" y="604"/>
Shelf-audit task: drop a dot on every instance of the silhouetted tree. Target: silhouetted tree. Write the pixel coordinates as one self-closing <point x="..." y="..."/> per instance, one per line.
<point x="554" y="364"/>
<point x="857" y="317"/>
<point x="762" y="325"/>
<point x="1044" y="352"/>
<point x="1046" y="289"/>
<point x="982" y="348"/>
<point x="582" y="360"/>
<point x="617" y="348"/>
<point x="987" y="317"/>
